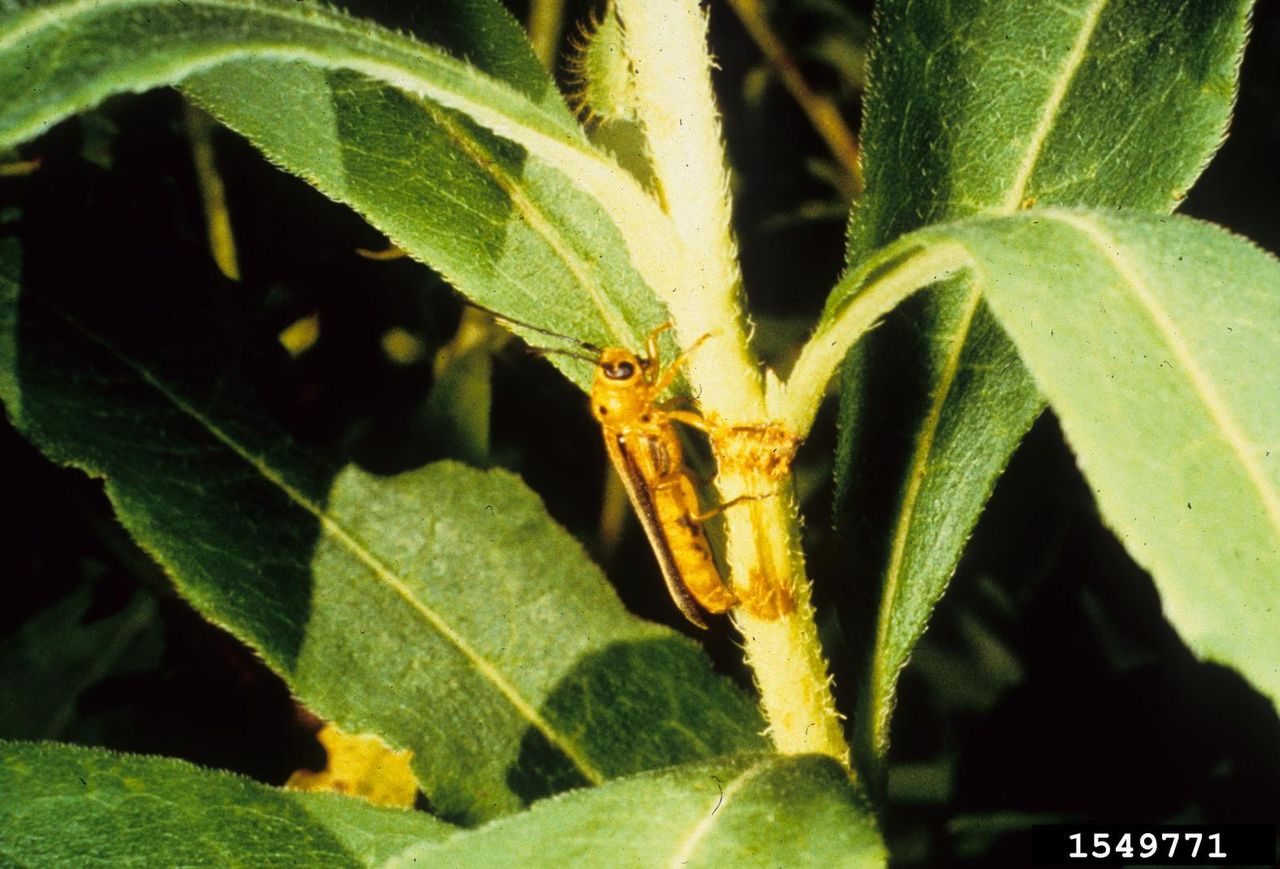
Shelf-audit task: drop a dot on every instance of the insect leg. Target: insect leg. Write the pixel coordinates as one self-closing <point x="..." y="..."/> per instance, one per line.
<point x="691" y="419"/>
<point x="669" y="375"/>
<point x="651" y="343"/>
<point x="720" y="508"/>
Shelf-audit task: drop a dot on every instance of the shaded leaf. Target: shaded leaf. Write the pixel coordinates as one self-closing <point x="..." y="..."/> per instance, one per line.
<point x="752" y="810"/>
<point x="440" y="609"/>
<point x="996" y="106"/>
<point x="501" y="227"/>
<point x="61" y="805"/>
<point x="55" y="656"/>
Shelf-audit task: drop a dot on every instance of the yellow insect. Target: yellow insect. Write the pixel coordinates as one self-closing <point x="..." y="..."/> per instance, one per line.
<point x="642" y="442"/>
<point x="644" y="447"/>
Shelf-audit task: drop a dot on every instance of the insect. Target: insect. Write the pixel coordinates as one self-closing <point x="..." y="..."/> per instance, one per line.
<point x="644" y="447"/>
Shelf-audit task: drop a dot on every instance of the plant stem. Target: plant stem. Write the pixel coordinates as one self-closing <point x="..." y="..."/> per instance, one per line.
<point x="784" y="652"/>
<point x="888" y="278"/>
<point x="666" y="45"/>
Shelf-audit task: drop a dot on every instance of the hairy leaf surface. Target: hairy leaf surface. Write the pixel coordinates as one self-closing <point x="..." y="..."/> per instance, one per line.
<point x="441" y="609"/>
<point x="1157" y="343"/>
<point x="64" y="806"/>
<point x="988" y="106"/>
<point x="749" y="810"/>
<point x="479" y="171"/>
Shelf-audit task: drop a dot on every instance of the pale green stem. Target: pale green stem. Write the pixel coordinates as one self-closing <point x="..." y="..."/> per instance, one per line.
<point x="796" y="402"/>
<point x="666" y="45"/>
<point x="784" y="653"/>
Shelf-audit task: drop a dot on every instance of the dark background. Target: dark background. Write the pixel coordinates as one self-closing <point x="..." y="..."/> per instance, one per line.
<point x="1048" y="688"/>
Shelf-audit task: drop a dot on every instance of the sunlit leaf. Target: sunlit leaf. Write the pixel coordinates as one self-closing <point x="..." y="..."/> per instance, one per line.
<point x="995" y="107"/>
<point x="1157" y="343"/>
<point x="749" y="810"/>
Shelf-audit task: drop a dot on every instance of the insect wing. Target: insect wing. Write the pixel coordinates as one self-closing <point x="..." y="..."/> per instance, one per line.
<point x="632" y="465"/>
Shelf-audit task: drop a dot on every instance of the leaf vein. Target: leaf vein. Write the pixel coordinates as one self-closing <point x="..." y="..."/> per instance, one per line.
<point x="684" y="849"/>
<point x="488" y="670"/>
<point x="1049" y="114"/>
<point x="1229" y="429"/>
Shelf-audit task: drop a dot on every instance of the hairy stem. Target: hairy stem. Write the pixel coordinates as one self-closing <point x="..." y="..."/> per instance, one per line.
<point x="784" y="652"/>
<point x="666" y="45"/>
<point x="884" y="282"/>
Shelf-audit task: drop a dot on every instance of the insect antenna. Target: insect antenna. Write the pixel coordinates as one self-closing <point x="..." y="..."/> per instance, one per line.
<point x="573" y="354"/>
<point x="593" y="349"/>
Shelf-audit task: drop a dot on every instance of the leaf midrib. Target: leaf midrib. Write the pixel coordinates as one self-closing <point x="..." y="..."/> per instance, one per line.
<point x="683" y="852"/>
<point x="407" y="48"/>
<point x="1225" y="423"/>
<point x="356" y="548"/>
<point x="558" y="141"/>
<point x="537" y="221"/>
<point x="928" y="433"/>
<point x="415" y="68"/>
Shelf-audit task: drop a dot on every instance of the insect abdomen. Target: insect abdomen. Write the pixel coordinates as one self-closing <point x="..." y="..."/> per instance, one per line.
<point x="676" y="503"/>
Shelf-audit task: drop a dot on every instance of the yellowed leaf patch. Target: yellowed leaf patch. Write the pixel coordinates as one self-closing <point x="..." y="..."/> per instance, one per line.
<point x="360" y="765"/>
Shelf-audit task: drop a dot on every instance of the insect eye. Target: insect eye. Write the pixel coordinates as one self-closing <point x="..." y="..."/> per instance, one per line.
<point x="619" y="371"/>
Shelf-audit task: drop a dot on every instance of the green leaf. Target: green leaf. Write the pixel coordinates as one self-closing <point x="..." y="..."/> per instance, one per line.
<point x="501" y="227"/>
<point x="747" y="810"/>
<point x="344" y="104"/>
<point x="55" y="656"/>
<point x="372" y="834"/>
<point x="60" y="58"/>
<point x="1157" y="343"/>
<point x="441" y="609"/>
<point x="61" y="805"/>
<point x="992" y="107"/>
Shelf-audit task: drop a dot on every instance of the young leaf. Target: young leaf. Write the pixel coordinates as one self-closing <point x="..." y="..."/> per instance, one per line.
<point x="63" y="805"/>
<point x="521" y="227"/>
<point x="441" y="609"/>
<point x="601" y="73"/>
<point x="749" y="810"/>
<point x="998" y="106"/>
<point x="1157" y="342"/>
